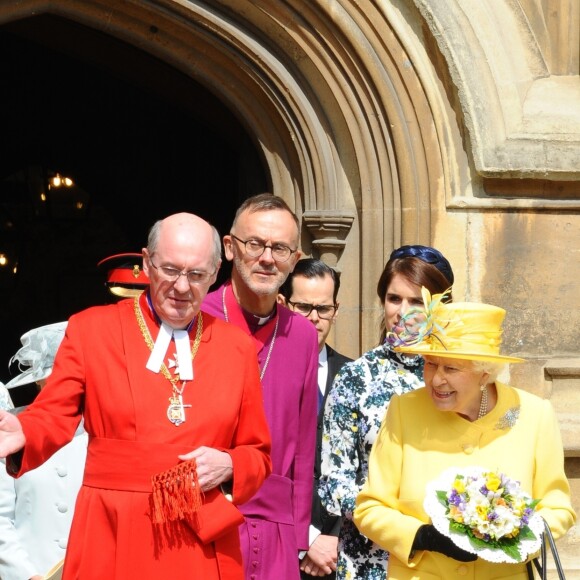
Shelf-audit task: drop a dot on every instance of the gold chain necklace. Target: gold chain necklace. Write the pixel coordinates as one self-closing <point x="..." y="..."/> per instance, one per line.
<point x="176" y="408"/>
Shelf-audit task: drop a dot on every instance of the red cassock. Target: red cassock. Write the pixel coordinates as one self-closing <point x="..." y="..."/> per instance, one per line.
<point x="100" y="373"/>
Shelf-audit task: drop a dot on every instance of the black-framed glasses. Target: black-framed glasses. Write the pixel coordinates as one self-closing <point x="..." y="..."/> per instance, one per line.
<point x="324" y="311"/>
<point x="171" y="274"/>
<point x="255" y="248"/>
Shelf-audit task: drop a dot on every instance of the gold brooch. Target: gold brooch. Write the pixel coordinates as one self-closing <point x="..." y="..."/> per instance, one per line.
<point x="509" y="419"/>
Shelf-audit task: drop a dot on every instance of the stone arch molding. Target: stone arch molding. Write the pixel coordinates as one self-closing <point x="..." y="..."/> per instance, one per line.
<point x="316" y="84"/>
<point x="346" y="115"/>
<point x="517" y="82"/>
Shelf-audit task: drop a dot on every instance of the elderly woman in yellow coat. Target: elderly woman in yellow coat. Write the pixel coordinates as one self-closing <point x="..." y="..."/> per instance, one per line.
<point x="463" y="417"/>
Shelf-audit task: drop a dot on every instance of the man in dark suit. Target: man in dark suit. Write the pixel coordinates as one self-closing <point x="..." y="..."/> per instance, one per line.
<point x="311" y="290"/>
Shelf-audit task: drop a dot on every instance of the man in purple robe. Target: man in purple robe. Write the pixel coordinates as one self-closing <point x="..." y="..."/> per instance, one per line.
<point x="263" y="245"/>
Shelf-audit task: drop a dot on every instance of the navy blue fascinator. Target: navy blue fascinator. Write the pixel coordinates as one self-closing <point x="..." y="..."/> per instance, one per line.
<point x="428" y="255"/>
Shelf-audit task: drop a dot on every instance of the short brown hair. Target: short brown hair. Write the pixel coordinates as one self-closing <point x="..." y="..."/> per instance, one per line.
<point x="265" y="202"/>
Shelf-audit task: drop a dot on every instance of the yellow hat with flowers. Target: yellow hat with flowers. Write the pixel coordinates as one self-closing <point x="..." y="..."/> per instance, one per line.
<point x="461" y="330"/>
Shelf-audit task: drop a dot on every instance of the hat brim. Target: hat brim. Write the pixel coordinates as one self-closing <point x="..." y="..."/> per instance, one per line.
<point x="459" y="354"/>
<point x="125" y="292"/>
<point x="27" y="377"/>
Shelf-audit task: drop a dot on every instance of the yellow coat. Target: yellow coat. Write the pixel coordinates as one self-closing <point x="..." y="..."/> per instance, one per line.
<point x="417" y="442"/>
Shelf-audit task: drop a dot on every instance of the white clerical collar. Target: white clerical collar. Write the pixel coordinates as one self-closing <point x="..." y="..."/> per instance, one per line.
<point x="162" y="342"/>
<point x="255" y="320"/>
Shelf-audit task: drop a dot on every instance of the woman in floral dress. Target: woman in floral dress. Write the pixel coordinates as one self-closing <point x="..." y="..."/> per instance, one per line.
<point x="358" y="401"/>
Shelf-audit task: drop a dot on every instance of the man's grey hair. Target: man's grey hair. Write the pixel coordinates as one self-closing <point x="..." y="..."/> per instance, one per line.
<point x="265" y="202"/>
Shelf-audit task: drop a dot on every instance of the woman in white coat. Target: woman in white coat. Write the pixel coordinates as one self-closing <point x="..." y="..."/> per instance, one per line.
<point x="36" y="510"/>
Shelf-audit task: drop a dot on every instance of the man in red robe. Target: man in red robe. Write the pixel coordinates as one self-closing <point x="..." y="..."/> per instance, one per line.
<point x="172" y="403"/>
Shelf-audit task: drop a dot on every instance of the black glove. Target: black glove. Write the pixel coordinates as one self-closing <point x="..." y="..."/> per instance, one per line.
<point x="429" y="538"/>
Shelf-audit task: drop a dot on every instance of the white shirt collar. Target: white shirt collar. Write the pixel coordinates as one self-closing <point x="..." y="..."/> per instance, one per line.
<point x="322" y="369"/>
<point x="323" y="357"/>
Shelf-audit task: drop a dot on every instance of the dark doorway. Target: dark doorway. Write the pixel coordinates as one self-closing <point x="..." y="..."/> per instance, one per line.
<point x="139" y="140"/>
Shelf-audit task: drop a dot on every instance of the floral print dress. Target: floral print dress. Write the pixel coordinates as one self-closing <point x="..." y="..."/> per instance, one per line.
<point x="355" y="408"/>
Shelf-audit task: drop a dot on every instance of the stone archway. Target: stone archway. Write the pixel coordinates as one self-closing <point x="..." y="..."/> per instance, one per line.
<point x="335" y="100"/>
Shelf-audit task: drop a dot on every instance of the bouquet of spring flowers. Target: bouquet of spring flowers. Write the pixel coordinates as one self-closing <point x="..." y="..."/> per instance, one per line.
<point x="486" y="513"/>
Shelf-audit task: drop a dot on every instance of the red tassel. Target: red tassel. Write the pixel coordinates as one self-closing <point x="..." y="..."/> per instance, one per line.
<point x="176" y="493"/>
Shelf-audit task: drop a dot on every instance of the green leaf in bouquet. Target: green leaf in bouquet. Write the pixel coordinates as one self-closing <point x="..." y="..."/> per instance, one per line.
<point x="442" y="497"/>
<point x="526" y="534"/>
<point x="510" y="547"/>
<point x="478" y="542"/>
<point x="457" y="527"/>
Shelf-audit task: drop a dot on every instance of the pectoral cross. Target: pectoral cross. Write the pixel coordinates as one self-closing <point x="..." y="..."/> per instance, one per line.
<point x="176" y="409"/>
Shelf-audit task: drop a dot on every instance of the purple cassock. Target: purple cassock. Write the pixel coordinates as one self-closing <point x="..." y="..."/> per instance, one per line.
<point x="278" y="516"/>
